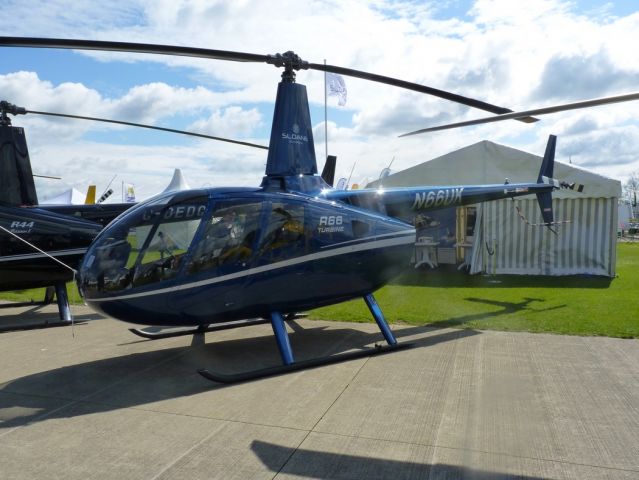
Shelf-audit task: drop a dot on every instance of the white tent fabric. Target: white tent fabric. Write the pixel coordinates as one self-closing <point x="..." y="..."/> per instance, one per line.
<point x="487" y="162"/>
<point x="177" y="182"/>
<point x="69" y="197"/>
<point x="179" y="234"/>
<point x="503" y="242"/>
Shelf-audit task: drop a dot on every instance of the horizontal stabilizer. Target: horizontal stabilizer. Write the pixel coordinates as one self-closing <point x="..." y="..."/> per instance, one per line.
<point x="578" y="187"/>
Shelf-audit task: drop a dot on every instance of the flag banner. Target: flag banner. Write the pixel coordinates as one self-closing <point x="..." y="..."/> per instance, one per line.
<point x="129" y="193"/>
<point x="336" y="87"/>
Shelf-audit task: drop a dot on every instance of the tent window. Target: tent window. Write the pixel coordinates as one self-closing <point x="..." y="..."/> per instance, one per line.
<point x="471" y="216"/>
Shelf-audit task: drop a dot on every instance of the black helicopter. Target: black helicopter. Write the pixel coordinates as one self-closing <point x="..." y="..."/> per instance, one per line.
<point x="208" y="258"/>
<point x="42" y="245"/>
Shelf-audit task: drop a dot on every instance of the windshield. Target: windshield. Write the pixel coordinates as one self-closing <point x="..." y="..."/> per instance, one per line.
<point x="145" y="246"/>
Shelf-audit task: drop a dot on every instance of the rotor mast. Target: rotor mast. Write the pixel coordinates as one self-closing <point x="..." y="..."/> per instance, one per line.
<point x="17" y="187"/>
<point x="291" y="161"/>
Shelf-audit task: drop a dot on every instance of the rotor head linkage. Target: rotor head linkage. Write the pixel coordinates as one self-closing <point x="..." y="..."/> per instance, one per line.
<point x="5" y="108"/>
<point x="290" y="61"/>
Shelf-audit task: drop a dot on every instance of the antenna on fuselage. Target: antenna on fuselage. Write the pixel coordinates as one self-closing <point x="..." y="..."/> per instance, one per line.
<point x="351" y="174"/>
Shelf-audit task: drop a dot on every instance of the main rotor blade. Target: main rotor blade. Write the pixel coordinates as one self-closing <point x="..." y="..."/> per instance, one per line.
<point x="538" y="111"/>
<point x="288" y="60"/>
<point x="152" y="127"/>
<point x="47" y="176"/>
<point x="453" y="97"/>
<point x="75" y="44"/>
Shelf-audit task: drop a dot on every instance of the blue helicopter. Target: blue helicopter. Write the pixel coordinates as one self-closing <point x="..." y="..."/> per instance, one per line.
<point x="210" y="258"/>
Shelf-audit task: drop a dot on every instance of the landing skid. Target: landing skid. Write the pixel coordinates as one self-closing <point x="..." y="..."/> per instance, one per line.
<point x="64" y="309"/>
<point x="304" y="365"/>
<point x="286" y="352"/>
<point x="61" y="323"/>
<point x="157" y="335"/>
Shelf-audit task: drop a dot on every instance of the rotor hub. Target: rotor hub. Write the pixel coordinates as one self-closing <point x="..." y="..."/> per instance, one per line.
<point x="5" y="108"/>
<point x="290" y="61"/>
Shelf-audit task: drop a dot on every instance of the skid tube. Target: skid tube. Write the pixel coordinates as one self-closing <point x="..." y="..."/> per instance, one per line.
<point x="157" y="335"/>
<point x="303" y="365"/>
<point x="286" y="352"/>
<point x="64" y="310"/>
<point x="201" y="329"/>
<point x="38" y="326"/>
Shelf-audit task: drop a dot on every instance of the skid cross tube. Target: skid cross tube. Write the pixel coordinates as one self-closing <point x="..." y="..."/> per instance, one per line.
<point x="372" y="305"/>
<point x="281" y="335"/>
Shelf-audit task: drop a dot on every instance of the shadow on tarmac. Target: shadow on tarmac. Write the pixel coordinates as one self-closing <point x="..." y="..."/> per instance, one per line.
<point x="156" y="375"/>
<point x="36" y="317"/>
<point x="324" y="465"/>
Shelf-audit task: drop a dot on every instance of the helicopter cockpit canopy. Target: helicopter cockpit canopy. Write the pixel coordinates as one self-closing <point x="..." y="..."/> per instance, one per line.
<point x="148" y="245"/>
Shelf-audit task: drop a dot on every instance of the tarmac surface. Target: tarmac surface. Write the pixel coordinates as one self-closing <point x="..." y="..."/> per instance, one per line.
<point x="96" y="402"/>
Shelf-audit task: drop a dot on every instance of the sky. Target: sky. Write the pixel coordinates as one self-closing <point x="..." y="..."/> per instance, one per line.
<point x="520" y="55"/>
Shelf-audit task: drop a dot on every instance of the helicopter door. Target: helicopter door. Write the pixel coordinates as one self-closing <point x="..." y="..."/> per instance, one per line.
<point x="228" y="239"/>
<point x="284" y="237"/>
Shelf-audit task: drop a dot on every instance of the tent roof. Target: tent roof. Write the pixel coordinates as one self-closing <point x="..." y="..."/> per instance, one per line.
<point x="177" y="182"/>
<point x="69" y="197"/>
<point x="490" y="163"/>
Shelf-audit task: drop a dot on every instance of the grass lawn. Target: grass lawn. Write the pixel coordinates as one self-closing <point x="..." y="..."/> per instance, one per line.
<point x="37" y="295"/>
<point x="579" y="305"/>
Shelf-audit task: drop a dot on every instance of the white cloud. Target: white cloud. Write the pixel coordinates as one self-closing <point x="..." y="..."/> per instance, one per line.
<point x="231" y="121"/>
<point x="513" y="54"/>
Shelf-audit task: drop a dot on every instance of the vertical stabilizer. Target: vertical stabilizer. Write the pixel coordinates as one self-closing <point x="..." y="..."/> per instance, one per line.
<point x="546" y="176"/>
<point x="548" y="163"/>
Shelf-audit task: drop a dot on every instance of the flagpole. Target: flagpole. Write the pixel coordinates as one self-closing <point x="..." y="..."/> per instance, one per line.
<point x="325" y="119"/>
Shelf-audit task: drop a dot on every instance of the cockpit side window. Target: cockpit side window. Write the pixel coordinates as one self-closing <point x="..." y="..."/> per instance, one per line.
<point x="285" y="236"/>
<point x="228" y="239"/>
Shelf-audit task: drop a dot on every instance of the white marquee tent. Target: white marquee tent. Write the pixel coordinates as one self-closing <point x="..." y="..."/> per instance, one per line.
<point x="177" y="183"/>
<point x="68" y="197"/>
<point x="502" y="241"/>
<point x="179" y="235"/>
